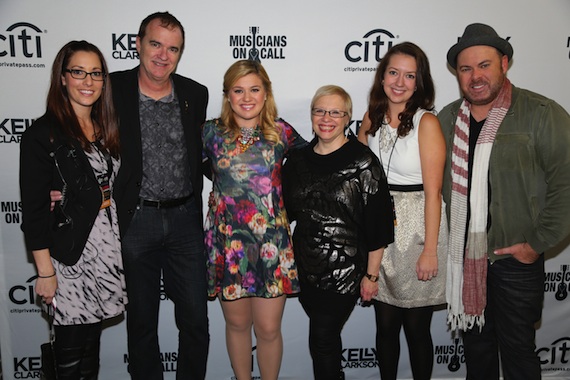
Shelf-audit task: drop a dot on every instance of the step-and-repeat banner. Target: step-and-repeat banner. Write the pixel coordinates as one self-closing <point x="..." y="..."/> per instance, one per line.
<point x="303" y="45"/>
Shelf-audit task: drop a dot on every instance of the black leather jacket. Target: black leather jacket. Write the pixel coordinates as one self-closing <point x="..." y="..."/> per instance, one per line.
<point x="65" y="231"/>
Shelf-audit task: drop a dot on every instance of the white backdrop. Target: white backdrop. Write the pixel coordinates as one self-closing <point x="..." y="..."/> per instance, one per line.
<point x="303" y="45"/>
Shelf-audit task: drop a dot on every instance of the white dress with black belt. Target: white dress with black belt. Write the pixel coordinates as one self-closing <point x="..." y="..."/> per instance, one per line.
<point x="398" y="282"/>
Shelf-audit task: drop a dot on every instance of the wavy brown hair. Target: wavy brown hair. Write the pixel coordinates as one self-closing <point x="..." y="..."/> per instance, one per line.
<point x="270" y="129"/>
<point x="423" y="97"/>
<point x="102" y="112"/>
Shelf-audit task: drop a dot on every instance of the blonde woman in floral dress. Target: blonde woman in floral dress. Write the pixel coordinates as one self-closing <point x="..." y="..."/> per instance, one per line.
<point x="247" y="237"/>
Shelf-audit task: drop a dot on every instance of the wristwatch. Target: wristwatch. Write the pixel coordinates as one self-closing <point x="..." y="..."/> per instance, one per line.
<point x="371" y="277"/>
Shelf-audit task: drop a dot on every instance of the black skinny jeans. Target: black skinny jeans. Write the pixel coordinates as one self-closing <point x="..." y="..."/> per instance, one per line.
<point x="328" y="312"/>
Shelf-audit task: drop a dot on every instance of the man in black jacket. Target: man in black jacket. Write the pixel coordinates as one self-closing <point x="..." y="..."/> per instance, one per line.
<point x="160" y="213"/>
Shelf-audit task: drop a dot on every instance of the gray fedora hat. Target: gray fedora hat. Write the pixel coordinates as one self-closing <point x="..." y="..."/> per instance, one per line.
<point x="478" y="34"/>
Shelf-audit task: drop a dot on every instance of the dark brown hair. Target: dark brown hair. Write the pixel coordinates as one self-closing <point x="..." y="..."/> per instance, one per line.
<point x="167" y="20"/>
<point x="102" y="112"/>
<point x="423" y="97"/>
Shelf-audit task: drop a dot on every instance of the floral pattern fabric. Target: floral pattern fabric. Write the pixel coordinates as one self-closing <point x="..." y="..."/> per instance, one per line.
<point x="247" y="234"/>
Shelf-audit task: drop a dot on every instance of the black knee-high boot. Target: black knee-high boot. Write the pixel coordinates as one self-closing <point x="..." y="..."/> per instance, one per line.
<point x="77" y="351"/>
<point x="90" y="361"/>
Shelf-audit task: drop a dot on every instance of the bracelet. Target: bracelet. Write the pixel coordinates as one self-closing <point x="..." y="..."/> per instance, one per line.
<point x="46" y="276"/>
<point x="371" y="277"/>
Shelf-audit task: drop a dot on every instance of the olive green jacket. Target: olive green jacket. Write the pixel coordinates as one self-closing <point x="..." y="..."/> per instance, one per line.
<point x="529" y="173"/>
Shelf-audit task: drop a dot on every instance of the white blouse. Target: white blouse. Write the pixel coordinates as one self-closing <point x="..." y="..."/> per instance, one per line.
<point x="399" y="156"/>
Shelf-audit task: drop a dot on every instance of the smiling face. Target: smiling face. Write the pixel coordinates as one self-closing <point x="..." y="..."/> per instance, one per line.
<point x="83" y="93"/>
<point x="329" y="130"/>
<point x="159" y="51"/>
<point x="247" y="98"/>
<point x="399" y="81"/>
<point x="481" y="72"/>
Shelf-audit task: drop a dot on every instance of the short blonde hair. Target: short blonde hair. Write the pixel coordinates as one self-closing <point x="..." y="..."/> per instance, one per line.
<point x="331" y="89"/>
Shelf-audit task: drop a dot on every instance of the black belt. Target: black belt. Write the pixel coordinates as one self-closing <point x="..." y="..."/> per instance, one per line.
<point x="168" y="203"/>
<point x="406" y="188"/>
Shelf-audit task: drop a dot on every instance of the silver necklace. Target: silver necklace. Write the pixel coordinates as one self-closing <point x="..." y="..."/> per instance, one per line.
<point x="388" y="137"/>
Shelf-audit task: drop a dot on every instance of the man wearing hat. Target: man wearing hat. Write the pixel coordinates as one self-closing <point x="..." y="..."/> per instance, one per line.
<point x="506" y="186"/>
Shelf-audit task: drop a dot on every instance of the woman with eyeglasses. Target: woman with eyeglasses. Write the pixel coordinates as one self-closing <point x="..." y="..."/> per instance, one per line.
<point x="74" y="148"/>
<point x="250" y="258"/>
<point x="336" y="190"/>
<point x="402" y="130"/>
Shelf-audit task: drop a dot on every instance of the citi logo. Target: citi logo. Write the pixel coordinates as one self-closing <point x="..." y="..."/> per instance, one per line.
<point x="371" y="48"/>
<point x="124" y="46"/>
<point x="21" y="40"/>
<point x="558" y="353"/>
<point x="23" y="294"/>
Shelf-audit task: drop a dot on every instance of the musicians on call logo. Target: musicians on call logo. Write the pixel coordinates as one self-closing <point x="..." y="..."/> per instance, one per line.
<point x="257" y="45"/>
<point x="558" y="282"/>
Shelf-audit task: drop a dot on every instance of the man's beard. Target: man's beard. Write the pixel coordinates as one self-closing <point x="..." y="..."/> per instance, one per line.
<point x="494" y="92"/>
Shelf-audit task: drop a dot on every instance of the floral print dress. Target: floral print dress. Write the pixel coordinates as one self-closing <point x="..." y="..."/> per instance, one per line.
<point x="247" y="234"/>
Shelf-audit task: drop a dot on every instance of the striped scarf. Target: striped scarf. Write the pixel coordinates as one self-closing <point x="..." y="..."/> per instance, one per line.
<point x="467" y="263"/>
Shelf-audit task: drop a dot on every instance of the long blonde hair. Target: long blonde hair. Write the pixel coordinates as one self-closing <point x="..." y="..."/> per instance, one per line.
<point x="270" y="129"/>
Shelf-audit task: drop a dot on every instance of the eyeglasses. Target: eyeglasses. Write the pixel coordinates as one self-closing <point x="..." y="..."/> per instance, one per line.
<point x="81" y="74"/>
<point x="333" y="113"/>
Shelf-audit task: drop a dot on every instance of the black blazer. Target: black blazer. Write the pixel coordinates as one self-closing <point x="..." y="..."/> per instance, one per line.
<point x="41" y="144"/>
<point x="193" y="100"/>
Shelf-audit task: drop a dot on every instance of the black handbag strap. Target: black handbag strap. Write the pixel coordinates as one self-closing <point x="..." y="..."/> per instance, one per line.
<point x="109" y="160"/>
<point x="50" y="318"/>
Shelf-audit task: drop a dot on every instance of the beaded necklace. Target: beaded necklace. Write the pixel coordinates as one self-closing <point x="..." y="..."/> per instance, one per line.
<point x="388" y="137"/>
<point x="247" y="137"/>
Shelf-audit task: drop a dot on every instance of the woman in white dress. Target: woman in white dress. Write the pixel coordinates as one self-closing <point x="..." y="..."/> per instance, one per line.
<point x="402" y="130"/>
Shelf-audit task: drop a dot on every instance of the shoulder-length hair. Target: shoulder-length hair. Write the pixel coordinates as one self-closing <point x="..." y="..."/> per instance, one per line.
<point x="423" y="97"/>
<point x="270" y="129"/>
<point x="102" y="112"/>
